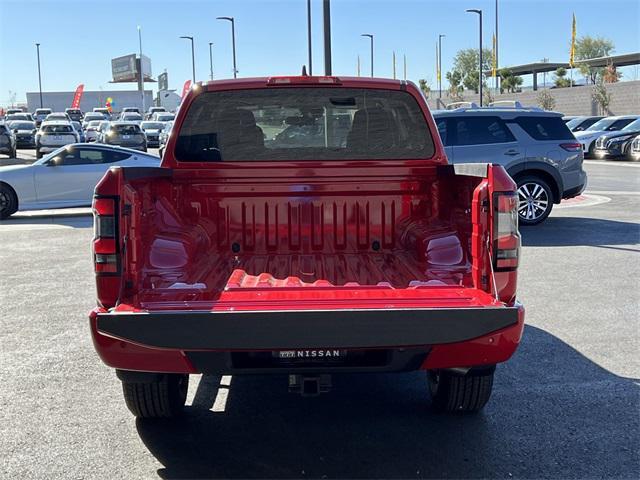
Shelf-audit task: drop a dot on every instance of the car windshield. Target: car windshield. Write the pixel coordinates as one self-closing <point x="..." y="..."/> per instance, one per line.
<point x="125" y="129"/>
<point x="152" y="125"/>
<point x="22" y="125"/>
<point x="574" y="122"/>
<point x="43" y="112"/>
<point x="94" y="123"/>
<point x="609" y="124"/>
<point x="165" y="118"/>
<point x="96" y="116"/>
<point x="132" y="116"/>
<point x="17" y="116"/>
<point x="635" y="125"/>
<point x="57" y="129"/>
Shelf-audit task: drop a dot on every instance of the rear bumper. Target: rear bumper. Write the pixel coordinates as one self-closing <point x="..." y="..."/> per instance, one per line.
<point x="228" y="342"/>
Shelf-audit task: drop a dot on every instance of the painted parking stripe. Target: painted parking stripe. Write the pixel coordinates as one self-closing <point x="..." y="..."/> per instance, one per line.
<point x="220" y="402"/>
<point x="585" y="200"/>
<point x="611" y="164"/>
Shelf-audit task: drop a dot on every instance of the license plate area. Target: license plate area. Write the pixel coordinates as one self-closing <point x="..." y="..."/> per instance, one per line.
<point x="309" y="358"/>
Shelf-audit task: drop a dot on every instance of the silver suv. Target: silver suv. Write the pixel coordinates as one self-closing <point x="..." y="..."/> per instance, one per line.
<point x="535" y="147"/>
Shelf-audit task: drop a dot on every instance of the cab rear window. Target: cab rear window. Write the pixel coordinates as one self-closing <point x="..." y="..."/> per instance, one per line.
<point x="303" y="124"/>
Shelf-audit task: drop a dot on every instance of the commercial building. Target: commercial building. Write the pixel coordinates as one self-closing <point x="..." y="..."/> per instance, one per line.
<point x="58" y="101"/>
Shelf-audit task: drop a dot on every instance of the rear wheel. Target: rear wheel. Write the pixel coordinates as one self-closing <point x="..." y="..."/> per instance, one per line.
<point x="163" y="397"/>
<point x="38" y="154"/>
<point x="8" y="202"/>
<point x="453" y="392"/>
<point x="535" y="200"/>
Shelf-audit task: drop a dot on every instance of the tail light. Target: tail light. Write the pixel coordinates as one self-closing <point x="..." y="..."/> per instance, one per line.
<point x="572" y="147"/>
<point x="506" y="238"/>
<point x="105" y="244"/>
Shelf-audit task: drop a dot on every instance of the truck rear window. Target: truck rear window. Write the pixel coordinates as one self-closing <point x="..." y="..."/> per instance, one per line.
<point x="303" y="124"/>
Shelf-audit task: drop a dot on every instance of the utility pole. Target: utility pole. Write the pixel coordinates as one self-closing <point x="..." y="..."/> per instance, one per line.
<point x="394" y="64"/>
<point x="210" y="61"/>
<point x="358" y="65"/>
<point x="326" y="4"/>
<point x="233" y="42"/>
<point x="193" y="57"/>
<point x="404" y="61"/>
<point x="439" y="60"/>
<point x="309" y="37"/>
<point x="370" y="36"/>
<point x="39" y="75"/>
<point x="140" y="73"/>
<point x="497" y="64"/>
<point x="479" y="12"/>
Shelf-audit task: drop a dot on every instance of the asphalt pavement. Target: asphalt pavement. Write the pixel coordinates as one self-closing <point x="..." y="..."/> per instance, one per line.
<point x="567" y="405"/>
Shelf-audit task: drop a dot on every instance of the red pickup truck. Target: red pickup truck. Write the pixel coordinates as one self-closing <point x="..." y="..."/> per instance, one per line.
<point x="307" y="226"/>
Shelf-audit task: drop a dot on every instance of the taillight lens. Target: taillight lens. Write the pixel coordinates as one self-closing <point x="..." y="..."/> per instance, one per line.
<point x="572" y="147"/>
<point x="506" y="238"/>
<point x="105" y="246"/>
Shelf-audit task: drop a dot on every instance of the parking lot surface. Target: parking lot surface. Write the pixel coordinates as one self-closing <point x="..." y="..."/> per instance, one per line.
<point x="566" y="406"/>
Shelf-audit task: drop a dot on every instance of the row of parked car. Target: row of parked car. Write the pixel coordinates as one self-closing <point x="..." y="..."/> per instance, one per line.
<point x="611" y="138"/>
<point x="46" y="131"/>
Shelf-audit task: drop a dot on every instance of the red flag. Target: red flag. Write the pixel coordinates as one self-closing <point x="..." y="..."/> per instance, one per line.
<point x="78" y="96"/>
<point x="186" y="87"/>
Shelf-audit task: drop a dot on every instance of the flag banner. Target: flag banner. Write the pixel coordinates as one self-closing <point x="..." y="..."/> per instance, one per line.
<point x="185" y="88"/>
<point x="77" y="97"/>
<point x="572" y="53"/>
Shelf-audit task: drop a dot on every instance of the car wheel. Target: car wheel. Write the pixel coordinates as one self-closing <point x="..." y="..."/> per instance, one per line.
<point x="161" y="398"/>
<point x="591" y="151"/>
<point x="38" y="154"/>
<point x="535" y="200"/>
<point x="8" y="201"/>
<point x="464" y="393"/>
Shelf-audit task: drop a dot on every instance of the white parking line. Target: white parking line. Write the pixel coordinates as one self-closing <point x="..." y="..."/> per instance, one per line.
<point x="612" y="164"/>
<point x="194" y="382"/>
<point x="220" y="403"/>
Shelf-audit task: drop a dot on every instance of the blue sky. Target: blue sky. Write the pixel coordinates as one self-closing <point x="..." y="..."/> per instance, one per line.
<point x="78" y="38"/>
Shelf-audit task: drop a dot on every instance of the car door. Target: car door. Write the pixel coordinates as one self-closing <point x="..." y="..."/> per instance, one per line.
<point x="483" y="139"/>
<point x="70" y="180"/>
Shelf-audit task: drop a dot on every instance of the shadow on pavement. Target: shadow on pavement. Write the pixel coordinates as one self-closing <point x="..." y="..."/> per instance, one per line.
<point x="67" y="217"/>
<point x="554" y="413"/>
<point x="573" y="231"/>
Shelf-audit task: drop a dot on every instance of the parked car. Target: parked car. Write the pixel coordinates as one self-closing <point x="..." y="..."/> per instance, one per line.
<point x="579" y="124"/>
<point x="535" y="147"/>
<point x="78" y="128"/>
<point x="53" y="135"/>
<point x="153" y="110"/>
<point x="617" y="145"/>
<point x="104" y="111"/>
<point x="12" y="117"/>
<point x="131" y="110"/>
<point x="25" y="133"/>
<point x="368" y="255"/>
<point x="91" y="130"/>
<point x="64" y="178"/>
<point x="11" y="111"/>
<point x="164" y="137"/>
<point x="163" y="117"/>
<point x="130" y="117"/>
<point x="152" y="131"/>
<point x="7" y="142"/>
<point x="102" y="130"/>
<point x="40" y="114"/>
<point x="92" y="117"/>
<point x="588" y="137"/>
<point x="75" y="114"/>
<point x="57" y="117"/>
<point x="635" y="149"/>
<point x="125" y="134"/>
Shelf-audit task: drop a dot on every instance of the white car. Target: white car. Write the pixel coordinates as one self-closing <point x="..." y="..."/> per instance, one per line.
<point x="589" y="136"/>
<point x="163" y="117"/>
<point x="53" y="135"/>
<point x="64" y="178"/>
<point x="58" y="117"/>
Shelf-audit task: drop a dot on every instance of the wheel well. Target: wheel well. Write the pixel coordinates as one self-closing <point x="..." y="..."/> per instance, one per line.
<point x="544" y="176"/>
<point x="13" y="191"/>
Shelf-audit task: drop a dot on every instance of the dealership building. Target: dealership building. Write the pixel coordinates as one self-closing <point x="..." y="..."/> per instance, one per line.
<point x="58" y="101"/>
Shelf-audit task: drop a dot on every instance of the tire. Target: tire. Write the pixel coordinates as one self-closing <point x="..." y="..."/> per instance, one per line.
<point x="162" y="398"/>
<point x="456" y="393"/>
<point x="591" y="151"/>
<point x="38" y="154"/>
<point x="8" y="201"/>
<point x="535" y="199"/>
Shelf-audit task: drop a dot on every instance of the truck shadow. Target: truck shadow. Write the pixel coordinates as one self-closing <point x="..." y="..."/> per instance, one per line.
<point x="554" y="413"/>
<point x="70" y="217"/>
<point x="573" y="231"/>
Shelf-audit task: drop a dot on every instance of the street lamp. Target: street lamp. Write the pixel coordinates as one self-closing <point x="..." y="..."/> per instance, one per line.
<point x="439" y="60"/>
<point x="140" y="73"/>
<point x="370" y="38"/>
<point x="39" y="76"/>
<point x="233" y="42"/>
<point x="193" y="56"/>
<point x="479" y="12"/>
<point x="210" y="60"/>
<point x="309" y="36"/>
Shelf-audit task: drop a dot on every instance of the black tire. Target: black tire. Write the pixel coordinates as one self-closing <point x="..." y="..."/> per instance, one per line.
<point x="535" y="199"/>
<point x="452" y="392"/>
<point x="591" y="152"/>
<point x="163" y="398"/>
<point x="8" y="201"/>
<point x="38" y="154"/>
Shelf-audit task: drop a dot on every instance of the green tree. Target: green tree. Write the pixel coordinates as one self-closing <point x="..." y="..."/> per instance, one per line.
<point x="508" y="81"/>
<point x="425" y="87"/>
<point x="561" y="81"/>
<point x="455" y="86"/>
<point x="546" y="100"/>
<point x="592" y="47"/>
<point x="466" y="64"/>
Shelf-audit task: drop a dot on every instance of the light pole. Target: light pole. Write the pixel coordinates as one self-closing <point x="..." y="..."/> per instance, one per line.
<point x="39" y="76"/>
<point x="326" y="28"/>
<point x="370" y="38"/>
<point x="211" y="60"/>
<point x="439" y="60"/>
<point x="309" y="36"/>
<point x="193" y="57"/>
<point x="497" y="64"/>
<point x="140" y="73"/>
<point x="233" y="42"/>
<point x="479" y="12"/>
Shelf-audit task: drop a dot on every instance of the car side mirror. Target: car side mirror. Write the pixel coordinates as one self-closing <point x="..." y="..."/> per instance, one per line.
<point x="54" y="162"/>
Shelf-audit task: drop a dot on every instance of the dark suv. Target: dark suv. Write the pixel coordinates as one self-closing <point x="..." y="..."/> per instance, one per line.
<point x="534" y="146"/>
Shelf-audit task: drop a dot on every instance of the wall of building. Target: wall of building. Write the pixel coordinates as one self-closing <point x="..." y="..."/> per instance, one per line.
<point x="625" y="99"/>
<point x="58" y="101"/>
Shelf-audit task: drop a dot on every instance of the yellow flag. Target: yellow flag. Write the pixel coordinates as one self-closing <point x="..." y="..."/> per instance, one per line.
<point x="572" y="53"/>
<point x="437" y="64"/>
<point x="493" y="58"/>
